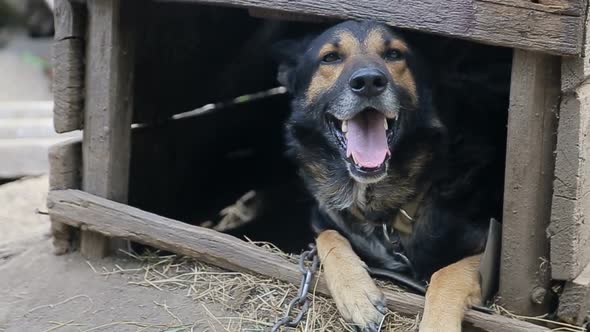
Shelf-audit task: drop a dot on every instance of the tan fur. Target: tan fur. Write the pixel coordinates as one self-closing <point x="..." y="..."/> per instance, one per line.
<point x="327" y="74"/>
<point x="348" y="43"/>
<point x="399" y="70"/>
<point x="374" y="42"/>
<point x="452" y="289"/>
<point x="398" y="45"/>
<point x="349" y="47"/>
<point x="353" y="290"/>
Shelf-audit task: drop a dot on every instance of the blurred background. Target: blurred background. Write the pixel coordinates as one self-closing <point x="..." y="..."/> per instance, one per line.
<point x="26" y="126"/>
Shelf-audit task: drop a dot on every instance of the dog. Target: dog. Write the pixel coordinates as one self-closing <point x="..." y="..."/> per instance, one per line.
<point x="398" y="161"/>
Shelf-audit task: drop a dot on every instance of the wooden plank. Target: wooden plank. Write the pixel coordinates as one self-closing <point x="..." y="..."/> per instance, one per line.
<point x="563" y="7"/>
<point x="70" y="19"/>
<point x="65" y="166"/>
<point x="534" y="97"/>
<point x="569" y="231"/>
<point x="81" y="209"/>
<point x="68" y="65"/>
<point x="492" y="23"/>
<point x="575" y="70"/>
<point x="574" y="302"/>
<point x="68" y="84"/>
<point x="108" y="108"/>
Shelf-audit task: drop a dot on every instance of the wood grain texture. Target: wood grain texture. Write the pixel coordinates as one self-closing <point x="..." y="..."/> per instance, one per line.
<point x="569" y="230"/>
<point x="68" y="84"/>
<point x="534" y="98"/>
<point x="576" y="69"/>
<point x="94" y="213"/>
<point x="68" y="65"/>
<point x="574" y="302"/>
<point x="70" y="19"/>
<point x="108" y="108"/>
<point x="65" y="166"/>
<point x="492" y="23"/>
<point x="564" y="7"/>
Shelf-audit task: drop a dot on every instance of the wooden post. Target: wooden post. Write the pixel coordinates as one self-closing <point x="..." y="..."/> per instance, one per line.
<point x="68" y="62"/>
<point x="108" y="109"/>
<point x="534" y="98"/>
<point x="574" y="303"/>
<point x="65" y="163"/>
<point x="570" y="229"/>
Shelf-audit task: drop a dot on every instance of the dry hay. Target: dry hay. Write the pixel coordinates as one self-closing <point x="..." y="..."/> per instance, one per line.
<point x="255" y="302"/>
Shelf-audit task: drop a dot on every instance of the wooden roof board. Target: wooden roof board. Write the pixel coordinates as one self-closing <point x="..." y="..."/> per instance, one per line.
<point x="550" y="26"/>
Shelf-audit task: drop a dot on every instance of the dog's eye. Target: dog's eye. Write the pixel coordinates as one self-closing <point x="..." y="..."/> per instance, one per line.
<point x="392" y="55"/>
<point x="331" y="57"/>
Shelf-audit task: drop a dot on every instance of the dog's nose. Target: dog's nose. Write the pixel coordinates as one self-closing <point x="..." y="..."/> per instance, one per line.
<point x="368" y="82"/>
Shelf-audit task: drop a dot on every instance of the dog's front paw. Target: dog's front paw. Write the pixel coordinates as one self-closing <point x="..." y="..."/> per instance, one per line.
<point x="359" y="300"/>
<point x="439" y="326"/>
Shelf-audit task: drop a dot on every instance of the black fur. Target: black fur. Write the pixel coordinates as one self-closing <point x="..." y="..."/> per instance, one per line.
<point x="449" y="146"/>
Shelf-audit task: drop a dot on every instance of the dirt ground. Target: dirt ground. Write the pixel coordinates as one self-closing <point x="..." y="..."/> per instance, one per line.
<point x="43" y="292"/>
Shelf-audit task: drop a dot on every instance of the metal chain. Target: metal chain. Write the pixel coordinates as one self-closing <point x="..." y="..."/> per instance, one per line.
<point x="301" y="300"/>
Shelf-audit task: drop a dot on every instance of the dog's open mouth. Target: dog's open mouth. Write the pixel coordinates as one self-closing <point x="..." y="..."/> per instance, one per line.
<point x="364" y="139"/>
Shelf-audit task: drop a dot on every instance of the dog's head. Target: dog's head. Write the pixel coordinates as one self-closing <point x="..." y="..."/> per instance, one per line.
<point x="357" y="89"/>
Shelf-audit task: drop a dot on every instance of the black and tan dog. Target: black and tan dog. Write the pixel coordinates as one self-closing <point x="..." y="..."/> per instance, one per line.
<point x="398" y="184"/>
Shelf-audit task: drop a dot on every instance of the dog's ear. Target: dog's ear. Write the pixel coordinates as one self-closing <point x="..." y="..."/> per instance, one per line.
<point x="287" y="54"/>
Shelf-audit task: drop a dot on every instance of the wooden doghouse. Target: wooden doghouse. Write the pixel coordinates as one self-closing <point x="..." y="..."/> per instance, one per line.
<point x="116" y="64"/>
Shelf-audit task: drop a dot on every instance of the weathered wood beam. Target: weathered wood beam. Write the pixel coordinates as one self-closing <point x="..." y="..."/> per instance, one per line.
<point x="68" y="65"/>
<point x="108" y="107"/>
<point x="563" y="7"/>
<point x="110" y="218"/>
<point x="65" y="166"/>
<point x="574" y="303"/>
<point x="495" y="23"/>
<point x="534" y="101"/>
<point x="569" y="231"/>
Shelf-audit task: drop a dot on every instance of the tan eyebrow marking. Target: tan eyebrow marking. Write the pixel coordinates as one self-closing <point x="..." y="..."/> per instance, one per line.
<point x="326" y="75"/>
<point x="398" y="45"/>
<point x="375" y="43"/>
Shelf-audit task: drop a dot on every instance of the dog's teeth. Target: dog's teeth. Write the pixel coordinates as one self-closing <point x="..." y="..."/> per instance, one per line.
<point x="344" y="126"/>
<point x="385" y="124"/>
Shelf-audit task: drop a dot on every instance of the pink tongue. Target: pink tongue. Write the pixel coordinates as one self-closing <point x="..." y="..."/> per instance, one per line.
<point x="367" y="139"/>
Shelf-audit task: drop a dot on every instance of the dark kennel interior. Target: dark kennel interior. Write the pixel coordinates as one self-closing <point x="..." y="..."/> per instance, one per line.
<point x="191" y="168"/>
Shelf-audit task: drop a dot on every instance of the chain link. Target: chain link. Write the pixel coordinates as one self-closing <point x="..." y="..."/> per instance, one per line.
<point x="301" y="300"/>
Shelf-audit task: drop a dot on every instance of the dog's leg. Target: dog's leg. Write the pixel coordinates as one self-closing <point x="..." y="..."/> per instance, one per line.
<point x="452" y="289"/>
<point x="357" y="297"/>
